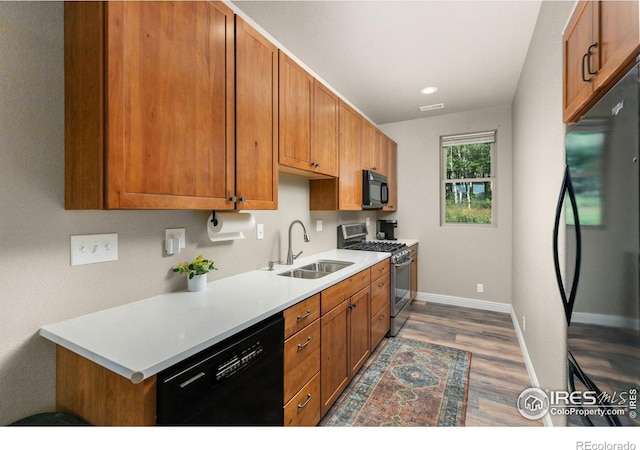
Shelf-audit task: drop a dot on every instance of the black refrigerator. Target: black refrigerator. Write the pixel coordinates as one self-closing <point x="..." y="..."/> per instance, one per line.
<point x="599" y="209"/>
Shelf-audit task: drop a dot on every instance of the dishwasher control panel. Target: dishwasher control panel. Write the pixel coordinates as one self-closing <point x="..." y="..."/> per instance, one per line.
<point x="238" y="361"/>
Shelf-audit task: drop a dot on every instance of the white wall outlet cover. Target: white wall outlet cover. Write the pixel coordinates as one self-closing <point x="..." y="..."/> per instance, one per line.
<point x="260" y="231"/>
<point x="94" y="248"/>
<point x="318" y="225"/>
<point x="172" y="233"/>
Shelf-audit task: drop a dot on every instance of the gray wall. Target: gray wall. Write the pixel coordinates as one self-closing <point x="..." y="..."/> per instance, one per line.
<point x="38" y="284"/>
<point x="454" y="258"/>
<point x="538" y="165"/>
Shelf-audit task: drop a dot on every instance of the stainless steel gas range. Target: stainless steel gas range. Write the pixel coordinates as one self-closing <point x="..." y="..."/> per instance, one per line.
<point x="354" y="237"/>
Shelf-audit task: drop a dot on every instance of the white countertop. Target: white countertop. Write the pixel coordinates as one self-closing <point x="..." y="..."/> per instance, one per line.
<point x="140" y="339"/>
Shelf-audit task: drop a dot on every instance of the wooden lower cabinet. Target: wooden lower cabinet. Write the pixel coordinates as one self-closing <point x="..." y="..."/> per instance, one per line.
<point x="380" y="302"/>
<point x="301" y="390"/>
<point x="344" y="345"/>
<point x="100" y="396"/>
<point x="304" y="408"/>
<point x="334" y="355"/>
<point x="359" y="330"/>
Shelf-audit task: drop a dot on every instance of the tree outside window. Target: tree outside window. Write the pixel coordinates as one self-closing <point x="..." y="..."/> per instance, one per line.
<point x="467" y="178"/>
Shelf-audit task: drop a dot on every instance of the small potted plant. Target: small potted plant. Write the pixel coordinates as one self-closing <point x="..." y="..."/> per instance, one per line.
<point x="196" y="272"/>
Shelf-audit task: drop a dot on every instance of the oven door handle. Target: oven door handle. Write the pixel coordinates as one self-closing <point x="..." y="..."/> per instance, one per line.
<point x="403" y="264"/>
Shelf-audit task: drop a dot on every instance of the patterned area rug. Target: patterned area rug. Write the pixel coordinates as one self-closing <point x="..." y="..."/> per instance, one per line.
<point x="406" y="383"/>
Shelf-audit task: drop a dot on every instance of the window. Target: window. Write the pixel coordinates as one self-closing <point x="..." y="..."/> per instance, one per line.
<point x="468" y="181"/>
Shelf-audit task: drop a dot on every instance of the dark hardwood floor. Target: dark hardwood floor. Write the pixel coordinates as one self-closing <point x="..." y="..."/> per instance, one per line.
<point x="498" y="373"/>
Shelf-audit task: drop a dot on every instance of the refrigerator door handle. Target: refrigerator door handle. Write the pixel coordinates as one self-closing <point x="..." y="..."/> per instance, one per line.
<point x="567" y="300"/>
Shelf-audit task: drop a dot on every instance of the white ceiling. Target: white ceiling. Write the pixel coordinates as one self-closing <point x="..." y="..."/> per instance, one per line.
<point x="379" y="54"/>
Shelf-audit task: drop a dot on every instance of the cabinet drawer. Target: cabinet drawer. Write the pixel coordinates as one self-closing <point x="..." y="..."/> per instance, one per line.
<point x="380" y="323"/>
<point x="301" y="358"/>
<point x="333" y="296"/>
<point x="304" y="408"/>
<point x="379" y="269"/>
<point x="380" y="293"/>
<point x="299" y="316"/>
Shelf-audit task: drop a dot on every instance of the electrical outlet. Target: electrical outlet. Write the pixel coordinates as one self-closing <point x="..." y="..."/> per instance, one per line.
<point x="480" y="287"/>
<point x="260" y="231"/>
<point x="172" y="233"/>
<point x="524" y="324"/>
<point x="318" y="225"/>
<point x="94" y="248"/>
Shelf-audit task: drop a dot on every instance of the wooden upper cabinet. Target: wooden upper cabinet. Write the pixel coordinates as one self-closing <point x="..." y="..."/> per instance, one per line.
<point x="308" y="122"/>
<point x="296" y="92"/>
<point x="256" y="119"/>
<point x="324" y="130"/>
<point x="600" y="41"/>
<point x="618" y="38"/>
<point x="375" y="149"/>
<point x="370" y="146"/>
<point x="392" y="177"/>
<point x="149" y="105"/>
<point x="350" y="178"/>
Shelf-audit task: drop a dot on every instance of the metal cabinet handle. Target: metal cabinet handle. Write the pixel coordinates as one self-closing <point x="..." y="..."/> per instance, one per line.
<point x="243" y="199"/>
<point x="591" y="47"/>
<point x="305" y="403"/>
<point x="381" y="317"/>
<point x="381" y="269"/>
<point x="584" y="78"/>
<point x="301" y="346"/>
<point x="233" y="199"/>
<point x="305" y="316"/>
<point x="381" y="285"/>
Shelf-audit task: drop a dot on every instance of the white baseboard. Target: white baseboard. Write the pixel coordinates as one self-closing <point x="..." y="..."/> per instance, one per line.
<point x="606" y="320"/>
<point x="546" y="420"/>
<point x="486" y="305"/>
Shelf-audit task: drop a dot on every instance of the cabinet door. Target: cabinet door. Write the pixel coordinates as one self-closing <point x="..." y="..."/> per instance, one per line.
<point x="392" y="177"/>
<point x="170" y="105"/>
<point x="578" y="37"/>
<point x="334" y="364"/>
<point x="296" y="91"/>
<point x="350" y="181"/>
<point x="256" y="119"/>
<point x="324" y="131"/>
<point x="616" y="25"/>
<point x="359" y="326"/>
<point x="370" y="146"/>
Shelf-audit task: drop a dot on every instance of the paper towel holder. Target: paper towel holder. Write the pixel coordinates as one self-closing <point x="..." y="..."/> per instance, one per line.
<point x="225" y="235"/>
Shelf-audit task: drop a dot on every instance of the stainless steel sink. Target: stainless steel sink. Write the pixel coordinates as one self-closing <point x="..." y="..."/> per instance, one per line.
<point x="316" y="269"/>
<point x="326" y="265"/>
<point x="300" y="273"/>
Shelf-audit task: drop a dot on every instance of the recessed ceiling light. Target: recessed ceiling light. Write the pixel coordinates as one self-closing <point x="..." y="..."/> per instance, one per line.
<point x="429" y="90"/>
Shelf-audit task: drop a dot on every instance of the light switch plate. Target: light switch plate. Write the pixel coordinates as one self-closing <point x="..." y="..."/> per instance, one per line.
<point x="318" y="225"/>
<point x="94" y="248"/>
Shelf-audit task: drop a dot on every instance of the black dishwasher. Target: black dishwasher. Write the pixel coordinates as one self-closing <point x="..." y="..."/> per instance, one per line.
<point x="238" y="381"/>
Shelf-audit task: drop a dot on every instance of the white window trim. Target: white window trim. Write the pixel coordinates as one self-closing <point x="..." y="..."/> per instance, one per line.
<point x="470" y="138"/>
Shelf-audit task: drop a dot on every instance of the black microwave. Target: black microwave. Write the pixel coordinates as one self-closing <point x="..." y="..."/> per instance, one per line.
<point x="375" y="190"/>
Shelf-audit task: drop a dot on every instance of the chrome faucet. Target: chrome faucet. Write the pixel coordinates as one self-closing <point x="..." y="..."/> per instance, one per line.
<point x="290" y="255"/>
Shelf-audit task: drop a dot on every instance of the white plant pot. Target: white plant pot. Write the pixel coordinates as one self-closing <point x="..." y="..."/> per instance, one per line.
<point x="197" y="283"/>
